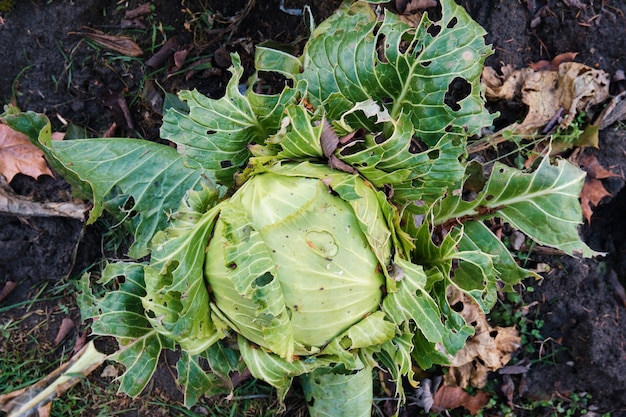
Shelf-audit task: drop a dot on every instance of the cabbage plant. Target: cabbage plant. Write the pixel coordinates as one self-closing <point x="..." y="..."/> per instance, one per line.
<point x="315" y="233"/>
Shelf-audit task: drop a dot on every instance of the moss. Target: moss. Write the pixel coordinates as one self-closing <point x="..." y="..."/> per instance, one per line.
<point x="6" y="5"/>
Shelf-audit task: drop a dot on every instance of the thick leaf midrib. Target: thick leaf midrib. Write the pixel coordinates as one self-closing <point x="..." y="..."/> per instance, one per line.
<point x="496" y="202"/>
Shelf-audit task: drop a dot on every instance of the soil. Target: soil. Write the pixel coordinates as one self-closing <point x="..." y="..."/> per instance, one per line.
<point x="49" y="67"/>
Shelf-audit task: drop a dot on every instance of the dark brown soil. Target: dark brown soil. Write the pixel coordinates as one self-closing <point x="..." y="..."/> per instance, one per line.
<point x="49" y="68"/>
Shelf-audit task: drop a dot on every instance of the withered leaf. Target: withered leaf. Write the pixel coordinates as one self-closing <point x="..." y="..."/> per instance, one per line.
<point x="66" y="327"/>
<point x="449" y="398"/>
<point x="122" y="44"/>
<point x="593" y="190"/>
<point x="591" y="195"/>
<point x="572" y="88"/>
<point x="553" y="65"/>
<point x="19" y="156"/>
<point x="9" y="286"/>
<point x="488" y="350"/>
<point x="141" y="10"/>
<point x="590" y="164"/>
<point x="121" y="113"/>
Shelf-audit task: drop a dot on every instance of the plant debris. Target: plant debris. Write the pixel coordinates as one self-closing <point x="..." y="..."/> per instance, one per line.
<point x="569" y="89"/>
<point x="19" y="156"/>
<point x="488" y="350"/>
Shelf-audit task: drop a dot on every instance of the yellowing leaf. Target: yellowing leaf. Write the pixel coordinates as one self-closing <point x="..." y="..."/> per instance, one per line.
<point x="19" y="156"/>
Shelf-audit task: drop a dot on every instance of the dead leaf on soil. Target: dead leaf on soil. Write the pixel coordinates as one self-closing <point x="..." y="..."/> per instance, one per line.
<point x="19" y="156"/>
<point x="593" y="190"/>
<point x="449" y="398"/>
<point x="572" y="88"/>
<point x="9" y="286"/>
<point x="66" y="327"/>
<point x="121" y="44"/>
<point x="614" y="111"/>
<point x="487" y="351"/>
<point x="553" y="65"/>
<point x="109" y="371"/>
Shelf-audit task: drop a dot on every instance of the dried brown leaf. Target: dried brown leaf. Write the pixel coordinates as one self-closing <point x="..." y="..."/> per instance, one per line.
<point x="572" y="88"/>
<point x="487" y="351"/>
<point x="44" y="411"/>
<point x="9" y="286"/>
<point x="590" y="164"/>
<point x="141" y="10"/>
<point x="121" y="113"/>
<point x="449" y="398"/>
<point x="593" y="191"/>
<point x="19" y="156"/>
<point x="553" y="65"/>
<point x="591" y="195"/>
<point x="66" y="327"/>
<point x="121" y="44"/>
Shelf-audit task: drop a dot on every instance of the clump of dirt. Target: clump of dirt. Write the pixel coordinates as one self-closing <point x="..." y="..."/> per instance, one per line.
<point x="49" y="67"/>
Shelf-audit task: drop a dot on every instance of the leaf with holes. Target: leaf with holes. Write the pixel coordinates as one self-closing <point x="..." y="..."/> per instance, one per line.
<point x="543" y="204"/>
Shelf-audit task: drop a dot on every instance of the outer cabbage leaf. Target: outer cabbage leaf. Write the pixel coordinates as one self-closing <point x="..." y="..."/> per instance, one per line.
<point x="137" y="181"/>
<point x="215" y="134"/>
<point x="477" y="237"/>
<point x="275" y="370"/>
<point x="196" y="381"/>
<point x="543" y="204"/>
<point x="120" y="314"/>
<point x="357" y="57"/>
<point x="410" y="303"/>
<point x="177" y="300"/>
<point x="414" y="175"/>
<point x="413" y="84"/>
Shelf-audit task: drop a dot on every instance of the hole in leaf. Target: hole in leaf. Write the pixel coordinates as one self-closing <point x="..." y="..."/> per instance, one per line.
<point x="433" y="30"/>
<point x="458" y="306"/>
<point x="381" y="45"/>
<point x="210" y="132"/>
<point x="232" y="265"/>
<point x="452" y="23"/>
<point x="426" y="63"/>
<point x="264" y="279"/>
<point x="380" y="138"/>
<point x="493" y="333"/>
<point x="434" y="154"/>
<point x="416" y="146"/>
<point x="150" y="314"/>
<point x="458" y="89"/>
<point x="270" y="82"/>
<point x="226" y="164"/>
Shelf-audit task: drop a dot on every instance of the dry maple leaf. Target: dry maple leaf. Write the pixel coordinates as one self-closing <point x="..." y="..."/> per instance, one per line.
<point x="593" y="190"/>
<point x="449" y="398"/>
<point x="19" y="156"/>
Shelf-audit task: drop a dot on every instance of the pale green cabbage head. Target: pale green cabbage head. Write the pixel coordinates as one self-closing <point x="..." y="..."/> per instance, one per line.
<point x="292" y="264"/>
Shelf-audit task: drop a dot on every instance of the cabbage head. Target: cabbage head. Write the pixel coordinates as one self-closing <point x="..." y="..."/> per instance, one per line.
<point x="292" y="263"/>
